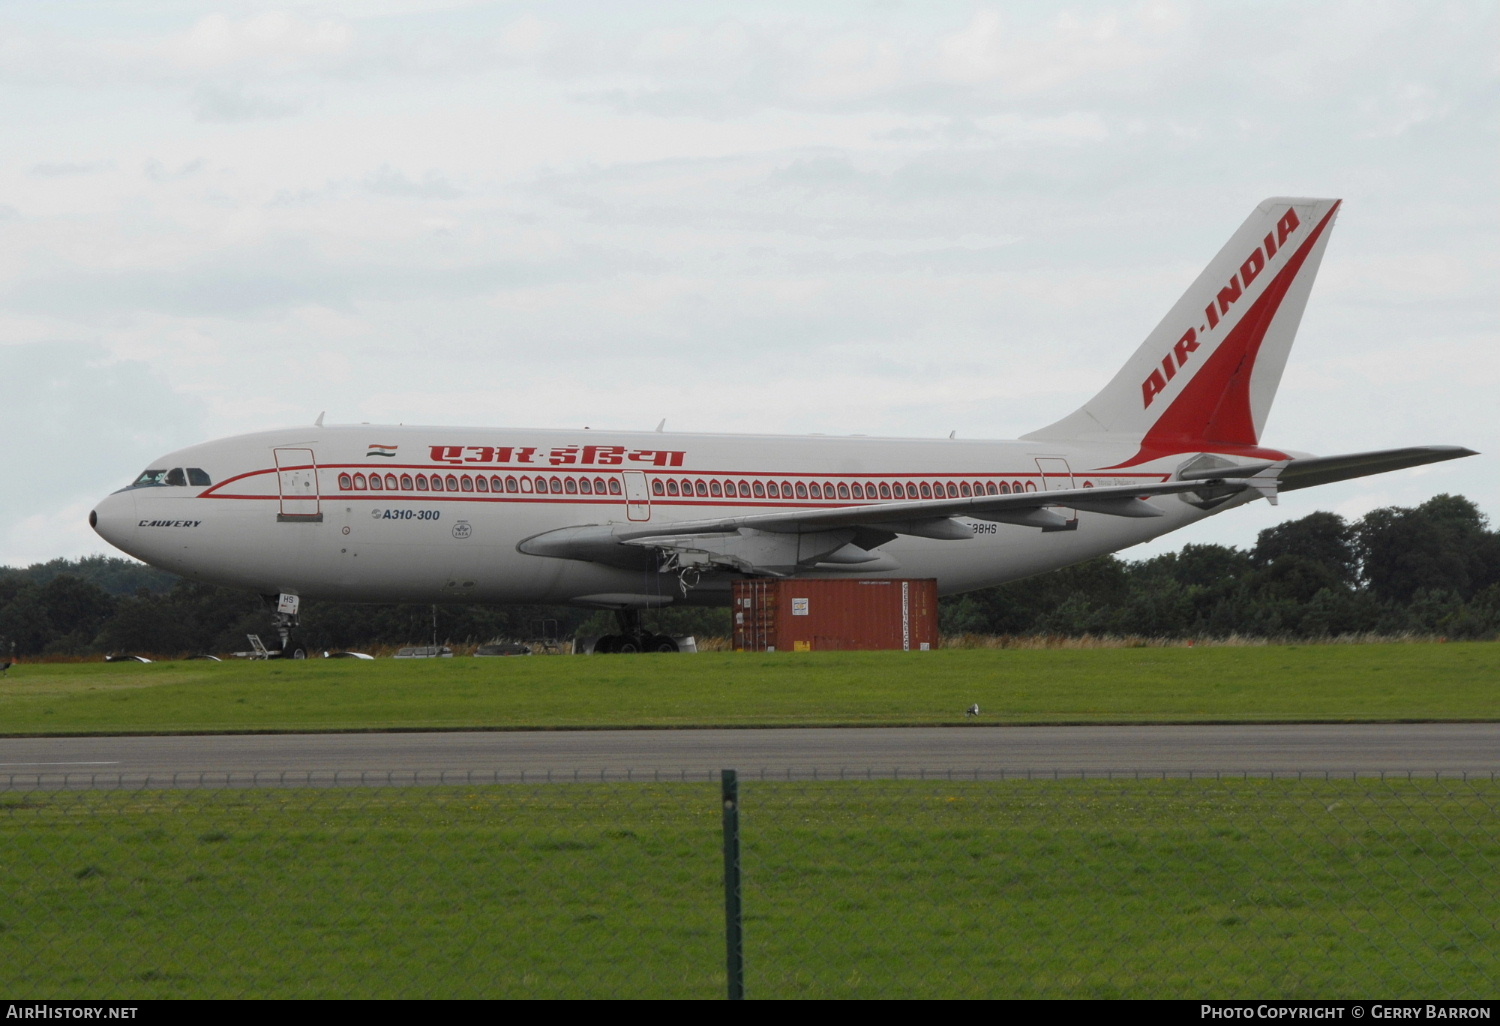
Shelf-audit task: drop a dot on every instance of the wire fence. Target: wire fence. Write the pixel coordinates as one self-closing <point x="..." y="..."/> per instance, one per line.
<point x="916" y="884"/>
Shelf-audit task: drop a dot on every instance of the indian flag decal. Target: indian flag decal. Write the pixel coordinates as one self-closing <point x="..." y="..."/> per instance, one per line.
<point x="381" y="450"/>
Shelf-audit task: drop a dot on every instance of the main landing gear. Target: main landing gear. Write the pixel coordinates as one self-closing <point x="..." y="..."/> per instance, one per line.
<point x="633" y="637"/>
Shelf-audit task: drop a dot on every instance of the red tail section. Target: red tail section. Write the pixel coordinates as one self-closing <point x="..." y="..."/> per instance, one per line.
<point x="1207" y="386"/>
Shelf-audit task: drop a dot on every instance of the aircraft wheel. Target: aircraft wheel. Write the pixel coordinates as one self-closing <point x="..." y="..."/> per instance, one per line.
<point x="628" y="646"/>
<point x="294" y="650"/>
<point x="605" y="645"/>
<point x="662" y="643"/>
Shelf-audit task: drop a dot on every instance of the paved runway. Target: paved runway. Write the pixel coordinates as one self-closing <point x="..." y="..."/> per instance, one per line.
<point x="313" y="758"/>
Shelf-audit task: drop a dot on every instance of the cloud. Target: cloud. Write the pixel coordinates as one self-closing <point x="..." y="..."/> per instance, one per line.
<point x="156" y="171"/>
<point x="390" y="182"/>
<point x="271" y="41"/>
<point x="65" y="169"/>
<point x="231" y="104"/>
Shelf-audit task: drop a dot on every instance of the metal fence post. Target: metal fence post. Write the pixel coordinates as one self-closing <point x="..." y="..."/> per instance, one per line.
<point x="733" y="936"/>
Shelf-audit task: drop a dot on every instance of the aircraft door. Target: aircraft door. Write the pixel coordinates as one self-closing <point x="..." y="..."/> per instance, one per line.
<point x="297" y="482"/>
<point x="637" y="496"/>
<point x="1057" y="476"/>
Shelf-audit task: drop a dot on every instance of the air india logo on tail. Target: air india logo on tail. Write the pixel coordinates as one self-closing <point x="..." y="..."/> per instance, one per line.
<point x="1214" y="312"/>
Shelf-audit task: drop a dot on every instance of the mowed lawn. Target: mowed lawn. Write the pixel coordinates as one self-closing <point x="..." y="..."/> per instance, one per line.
<point x="1240" y="889"/>
<point x="1384" y="682"/>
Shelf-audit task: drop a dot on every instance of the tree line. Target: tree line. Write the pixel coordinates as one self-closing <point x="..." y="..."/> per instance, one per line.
<point x="1432" y="569"/>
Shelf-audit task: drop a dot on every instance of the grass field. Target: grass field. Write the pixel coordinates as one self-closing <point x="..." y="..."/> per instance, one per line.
<point x="1176" y="888"/>
<point x="1419" y="681"/>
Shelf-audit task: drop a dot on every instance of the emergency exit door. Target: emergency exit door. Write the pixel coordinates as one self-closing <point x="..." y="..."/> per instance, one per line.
<point x="1057" y="476"/>
<point x="637" y="496"/>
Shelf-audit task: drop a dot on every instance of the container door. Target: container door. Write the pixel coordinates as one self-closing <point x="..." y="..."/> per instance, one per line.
<point x="1057" y="476"/>
<point x="297" y="479"/>
<point x="637" y="496"/>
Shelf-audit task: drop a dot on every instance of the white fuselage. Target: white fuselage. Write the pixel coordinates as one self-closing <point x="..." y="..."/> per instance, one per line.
<point x="295" y="511"/>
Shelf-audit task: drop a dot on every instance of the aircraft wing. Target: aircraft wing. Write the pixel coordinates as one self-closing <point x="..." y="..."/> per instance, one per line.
<point x="849" y="537"/>
<point x="843" y="538"/>
<point x="1319" y="470"/>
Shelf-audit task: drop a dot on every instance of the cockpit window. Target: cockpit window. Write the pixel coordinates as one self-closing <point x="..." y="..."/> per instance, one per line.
<point x="175" y="476"/>
<point x="197" y="476"/>
<point x="150" y="479"/>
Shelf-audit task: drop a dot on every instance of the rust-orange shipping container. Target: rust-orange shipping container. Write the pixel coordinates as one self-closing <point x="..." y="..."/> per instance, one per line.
<point x="790" y="615"/>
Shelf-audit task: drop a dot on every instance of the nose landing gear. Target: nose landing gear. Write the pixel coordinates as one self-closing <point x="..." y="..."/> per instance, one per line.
<point x="284" y="622"/>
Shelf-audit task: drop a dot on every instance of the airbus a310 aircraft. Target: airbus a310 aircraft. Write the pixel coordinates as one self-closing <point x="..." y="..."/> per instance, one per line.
<point x="635" y="520"/>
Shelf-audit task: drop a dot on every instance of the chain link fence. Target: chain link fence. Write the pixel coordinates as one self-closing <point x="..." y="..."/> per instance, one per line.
<point x="895" y="885"/>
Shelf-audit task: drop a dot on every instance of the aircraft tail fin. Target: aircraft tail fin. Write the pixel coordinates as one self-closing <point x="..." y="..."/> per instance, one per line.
<point x="1204" y="379"/>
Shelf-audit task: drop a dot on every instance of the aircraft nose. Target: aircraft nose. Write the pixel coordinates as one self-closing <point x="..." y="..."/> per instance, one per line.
<point x="113" y="519"/>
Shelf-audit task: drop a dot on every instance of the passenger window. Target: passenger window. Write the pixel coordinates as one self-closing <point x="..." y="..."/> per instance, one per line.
<point x="926" y="491"/>
<point x="375" y="484"/>
<point x="481" y="484"/>
<point x="716" y="489"/>
<point x="465" y="483"/>
<point x="406" y="483"/>
<point x="1031" y="486"/>
<point x="197" y="477"/>
<point x="899" y="489"/>
<point x="744" y="489"/>
<point x="801" y="490"/>
<point x="541" y="486"/>
<point x="786" y="489"/>
<point x="885" y="490"/>
<point x="672" y="486"/>
<point x="570" y="485"/>
<point x="585" y="486"/>
<point x="657" y="488"/>
<point x="964" y="489"/>
<point x="701" y="488"/>
<point x="511" y="485"/>
<point x="816" y="489"/>
<point x="452" y="483"/>
<point x="827" y="489"/>
<point x="870" y="489"/>
<point x="843" y="490"/>
<point x="989" y="488"/>
<point x="390" y="482"/>
<point x="556" y="486"/>
<point x="773" y="489"/>
<point x="437" y="482"/>
<point x="421" y="482"/>
<point x="614" y="486"/>
<point x="525" y="485"/>
<point x="599" y="488"/>
<point x="359" y="482"/>
<point x="858" y="490"/>
<point x="760" y="490"/>
<point x="345" y="482"/>
<point x="175" y="476"/>
<point x="911" y="489"/>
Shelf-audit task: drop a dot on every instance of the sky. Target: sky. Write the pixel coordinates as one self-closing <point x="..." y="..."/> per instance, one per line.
<point x="885" y="218"/>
